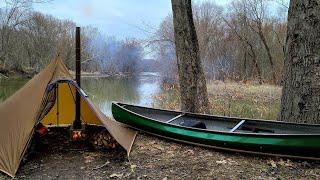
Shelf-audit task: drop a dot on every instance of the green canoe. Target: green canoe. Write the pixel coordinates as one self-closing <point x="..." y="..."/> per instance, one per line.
<point x="227" y="133"/>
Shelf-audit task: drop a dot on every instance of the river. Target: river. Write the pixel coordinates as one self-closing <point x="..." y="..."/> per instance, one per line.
<point x="138" y="90"/>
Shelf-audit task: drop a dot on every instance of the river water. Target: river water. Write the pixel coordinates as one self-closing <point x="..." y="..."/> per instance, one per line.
<point x="139" y="90"/>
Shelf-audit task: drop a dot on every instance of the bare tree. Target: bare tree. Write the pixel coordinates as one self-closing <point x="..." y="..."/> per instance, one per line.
<point x="238" y="27"/>
<point x="257" y="12"/>
<point x="10" y="18"/>
<point x="229" y="44"/>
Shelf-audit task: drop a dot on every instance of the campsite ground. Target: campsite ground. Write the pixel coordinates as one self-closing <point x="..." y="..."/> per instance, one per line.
<point x="155" y="158"/>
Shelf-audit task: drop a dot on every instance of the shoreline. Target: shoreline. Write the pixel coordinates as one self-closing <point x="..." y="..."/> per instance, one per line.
<point x="15" y="75"/>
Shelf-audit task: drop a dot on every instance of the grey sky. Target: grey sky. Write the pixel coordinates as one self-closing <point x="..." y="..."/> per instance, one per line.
<point x="119" y="18"/>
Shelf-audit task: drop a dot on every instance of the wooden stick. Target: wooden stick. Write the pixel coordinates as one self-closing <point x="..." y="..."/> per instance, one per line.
<point x="101" y="166"/>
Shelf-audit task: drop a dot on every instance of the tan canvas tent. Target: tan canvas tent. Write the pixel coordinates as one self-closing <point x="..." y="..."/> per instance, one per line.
<point x="49" y="92"/>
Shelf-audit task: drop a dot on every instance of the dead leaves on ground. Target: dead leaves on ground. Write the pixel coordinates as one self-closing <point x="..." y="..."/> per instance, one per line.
<point x="281" y="163"/>
<point x="122" y="174"/>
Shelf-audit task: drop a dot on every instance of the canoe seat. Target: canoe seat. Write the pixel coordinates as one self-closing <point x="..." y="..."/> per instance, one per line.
<point x="194" y="124"/>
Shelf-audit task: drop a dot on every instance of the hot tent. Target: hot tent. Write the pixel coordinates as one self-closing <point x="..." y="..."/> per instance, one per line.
<point x="49" y="92"/>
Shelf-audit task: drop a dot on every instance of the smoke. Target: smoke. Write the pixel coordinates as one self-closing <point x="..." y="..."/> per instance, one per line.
<point x="114" y="56"/>
<point x="86" y="9"/>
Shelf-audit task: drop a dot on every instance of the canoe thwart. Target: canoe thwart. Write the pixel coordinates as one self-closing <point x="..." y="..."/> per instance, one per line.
<point x="172" y="119"/>
<point x="237" y="126"/>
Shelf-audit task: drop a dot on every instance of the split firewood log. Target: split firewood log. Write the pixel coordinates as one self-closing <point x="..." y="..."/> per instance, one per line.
<point x="103" y="140"/>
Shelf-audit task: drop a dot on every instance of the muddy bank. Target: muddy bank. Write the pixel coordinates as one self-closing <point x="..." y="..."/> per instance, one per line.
<point x="102" y="74"/>
<point x="16" y="74"/>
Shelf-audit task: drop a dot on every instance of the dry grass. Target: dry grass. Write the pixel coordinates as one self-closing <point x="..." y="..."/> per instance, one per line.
<point x="231" y="99"/>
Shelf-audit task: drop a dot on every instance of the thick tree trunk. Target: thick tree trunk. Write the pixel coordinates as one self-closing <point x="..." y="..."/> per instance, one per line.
<point x="300" y="101"/>
<point x="193" y="88"/>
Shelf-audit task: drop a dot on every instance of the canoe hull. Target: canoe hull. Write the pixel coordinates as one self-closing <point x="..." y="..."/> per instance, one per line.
<point x="300" y="146"/>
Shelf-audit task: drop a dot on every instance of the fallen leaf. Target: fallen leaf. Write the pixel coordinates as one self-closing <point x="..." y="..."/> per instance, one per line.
<point x="133" y="167"/>
<point x="159" y="147"/>
<point x="221" y="162"/>
<point x="170" y="152"/>
<point x="116" y="175"/>
<point x="287" y="163"/>
<point x="272" y="163"/>
<point x="190" y="152"/>
<point x="88" y="159"/>
<point x="150" y="166"/>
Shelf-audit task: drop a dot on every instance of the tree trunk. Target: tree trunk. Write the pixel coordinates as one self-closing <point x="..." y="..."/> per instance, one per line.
<point x="193" y="88"/>
<point x="255" y="63"/>
<point x="266" y="46"/>
<point x="245" y="67"/>
<point x="300" y="100"/>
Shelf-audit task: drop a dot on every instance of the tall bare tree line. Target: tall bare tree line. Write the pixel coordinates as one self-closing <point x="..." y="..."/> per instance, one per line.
<point x="241" y="41"/>
<point x="29" y="40"/>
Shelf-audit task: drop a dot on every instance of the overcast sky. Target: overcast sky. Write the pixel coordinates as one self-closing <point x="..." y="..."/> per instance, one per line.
<point x="119" y="18"/>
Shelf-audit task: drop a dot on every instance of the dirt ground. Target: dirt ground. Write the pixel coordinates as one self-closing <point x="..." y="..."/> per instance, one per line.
<point x="155" y="158"/>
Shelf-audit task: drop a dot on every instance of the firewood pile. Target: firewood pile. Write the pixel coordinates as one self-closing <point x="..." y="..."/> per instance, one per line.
<point x="103" y="140"/>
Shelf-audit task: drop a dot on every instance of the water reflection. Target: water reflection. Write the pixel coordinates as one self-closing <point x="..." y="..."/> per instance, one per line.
<point x="10" y="86"/>
<point x="102" y="91"/>
<point x="136" y="90"/>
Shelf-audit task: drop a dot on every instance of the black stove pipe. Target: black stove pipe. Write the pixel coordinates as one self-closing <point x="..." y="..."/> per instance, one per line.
<point x="77" y="121"/>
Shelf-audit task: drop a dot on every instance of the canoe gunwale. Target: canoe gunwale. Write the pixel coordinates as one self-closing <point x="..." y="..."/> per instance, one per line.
<point x="120" y="105"/>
